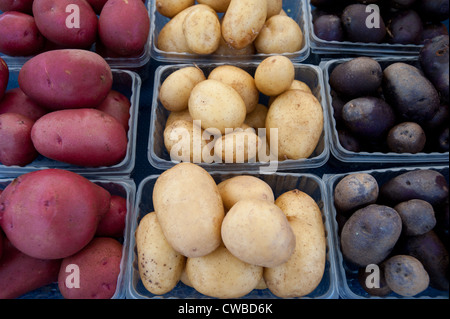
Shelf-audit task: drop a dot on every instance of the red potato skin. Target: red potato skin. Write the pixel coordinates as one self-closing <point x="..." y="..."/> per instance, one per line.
<point x="99" y="268"/>
<point x="113" y="223"/>
<point x="16" y="5"/>
<point x="84" y="137"/>
<point x="4" y="77"/>
<point x="117" y="105"/>
<point x="119" y="33"/>
<point x="15" y="101"/>
<point x="66" y="79"/>
<point x="51" y="16"/>
<point x="1" y="239"/>
<point x="52" y="213"/>
<point x="20" y="273"/>
<point x="19" y="35"/>
<point x="16" y="147"/>
<point x="97" y="5"/>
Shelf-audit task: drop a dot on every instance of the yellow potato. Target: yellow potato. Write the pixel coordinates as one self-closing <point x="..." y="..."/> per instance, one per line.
<point x="171" y="37"/>
<point x="217" y="5"/>
<point x="240" y="80"/>
<point x="181" y="115"/>
<point x="257" y="118"/>
<point x="160" y="266"/>
<point x="241" y="187"/>
<point x="170" y="8"/>
<point x="302" y="273"/>
<point x="189" y="208"/>
<point x="184" y="141"/>
<point x="242" y="22"/>
<point x="222" y="275"/>
<point x="176" y="88"/>
<point x="280" y="34"/>
<point x="274" y="7"/>
<point x="298" y="116"/>
<point x="274" y="75"/>
<point x="258" y="232"/>
<point x="296" y="85"/>
<point x="240" y="146"/>
<point x="218" y="106"/>
<point x="202" y="31"/>
<point x="226" y="49"/>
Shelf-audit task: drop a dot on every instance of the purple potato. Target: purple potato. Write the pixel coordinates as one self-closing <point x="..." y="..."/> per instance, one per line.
<point x="406" y="137"/>
<point x="329" y="28"/>
<point x="405" y="28"/>
<point x="354" y="19"/>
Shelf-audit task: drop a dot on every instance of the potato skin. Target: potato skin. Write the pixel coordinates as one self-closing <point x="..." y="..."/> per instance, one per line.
<point x="4" y="77"/>
<point x="170" y="8"/>
<point x="405" y="275"/>
<point x="417" y="217"/>
<point x="16" y="5"/>
<point x="202" y="31"/>
<point x="112" y="223"/>
<point x="370" y="234"/>
<point x="54" y="79"/>
<point x="160" y="266"/>
<point x="49" y="222"/>
<point x="222" y="275"/>
<point x="20" y="273"/>
<point x="84" y="137"/>
<point x="190" y="221"/>
<point x="243" y="21"/>
<point x="51" y="16"/>
<point x="15" y="101"/>
<point x="119" y="33"/>
<point x="99" y="266"/>
<point x="16" y="147"/>
<point x="19" y="35"/>
<point x="117" y="105"/>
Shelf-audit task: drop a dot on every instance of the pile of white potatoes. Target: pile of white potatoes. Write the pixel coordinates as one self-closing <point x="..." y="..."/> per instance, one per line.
<point x="244" y="27"/>
<point x="227" y="101"/>
<point x="226" y="239"/>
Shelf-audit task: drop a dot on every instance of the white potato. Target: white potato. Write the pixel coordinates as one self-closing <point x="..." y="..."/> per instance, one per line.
<point x="181" y="115"/>
<point x="217" y="5"/>
<point x="274" y="75"/>
<point x="257" y="118"/>
<point x="170" y="8"/>
<point x="274" y="7"/>
<point x="202" y="31"/>
<point x="239" y="146"/>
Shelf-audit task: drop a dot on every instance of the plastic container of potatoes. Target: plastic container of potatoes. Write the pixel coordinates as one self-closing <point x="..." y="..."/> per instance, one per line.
<point x="124" y="187"/>
<point x="126" y="82"/>
<point x="349" y="285"/>
<point x="116" y="62"/>
<point x="160" y="158"/>
<point x="347" y="156"/>
<point x="297" y="10"/>
<point x="320" y="46"/>
<point x="280" y="183"/>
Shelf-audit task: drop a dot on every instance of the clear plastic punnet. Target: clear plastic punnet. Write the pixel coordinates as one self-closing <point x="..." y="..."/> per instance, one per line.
<point x="280" y="183"/>
<point x="349" y="285"/>
<point x="159" y="157"/>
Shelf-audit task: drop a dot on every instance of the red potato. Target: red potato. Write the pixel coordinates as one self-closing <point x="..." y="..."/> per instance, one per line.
<point x="19" y="35"/>
<point x="83" y="137"/>
<point x="1" y="239"/>
<point x="113" y="223"/>
<point x="58" y="22"/>
<point x="15" y="101"/>
<point x="118" y="32"/>
<point x="97" y="5"/>
<point x="117" y="105"/>
<point x="16" y="147"/>
<point x="20" y="273"/>
<point x="4" y="77"/>
<point x="52" y="213"/>
<point x="16" y="5"/>
<point x="66" y="79"/>
<point x="99" y="268"/>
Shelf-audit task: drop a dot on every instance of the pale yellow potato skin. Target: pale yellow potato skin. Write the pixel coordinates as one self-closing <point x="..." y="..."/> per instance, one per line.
<point x="299" y="118"/>
<point x="189" y="209"/>
<point x="187" y="139"/>
<point x="274" y="7"/>
<point x="237" y="147"/>
<point x="181" y="115"/>
<point x="227" y="50"/>
<point x="243" y="21"/>
<point x="296" y="85"/>
<point x="160" y="266"/>
<point x="217" y="5"/>
<point x="170" y="8"/>
<point x="258" y="232"/>
<point x="274" y="75"/>
<point x="176" y="88"/>
<point x="280" y="34"/>
<point x="217" y="106"/>
<point x="257" y="118"/>
<point x="202" y="31"/>
<point x="241" y="81"/>
<point x="222" y="275"/>
<point x="302" y="273"/>
<point x="241" y="187"/>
